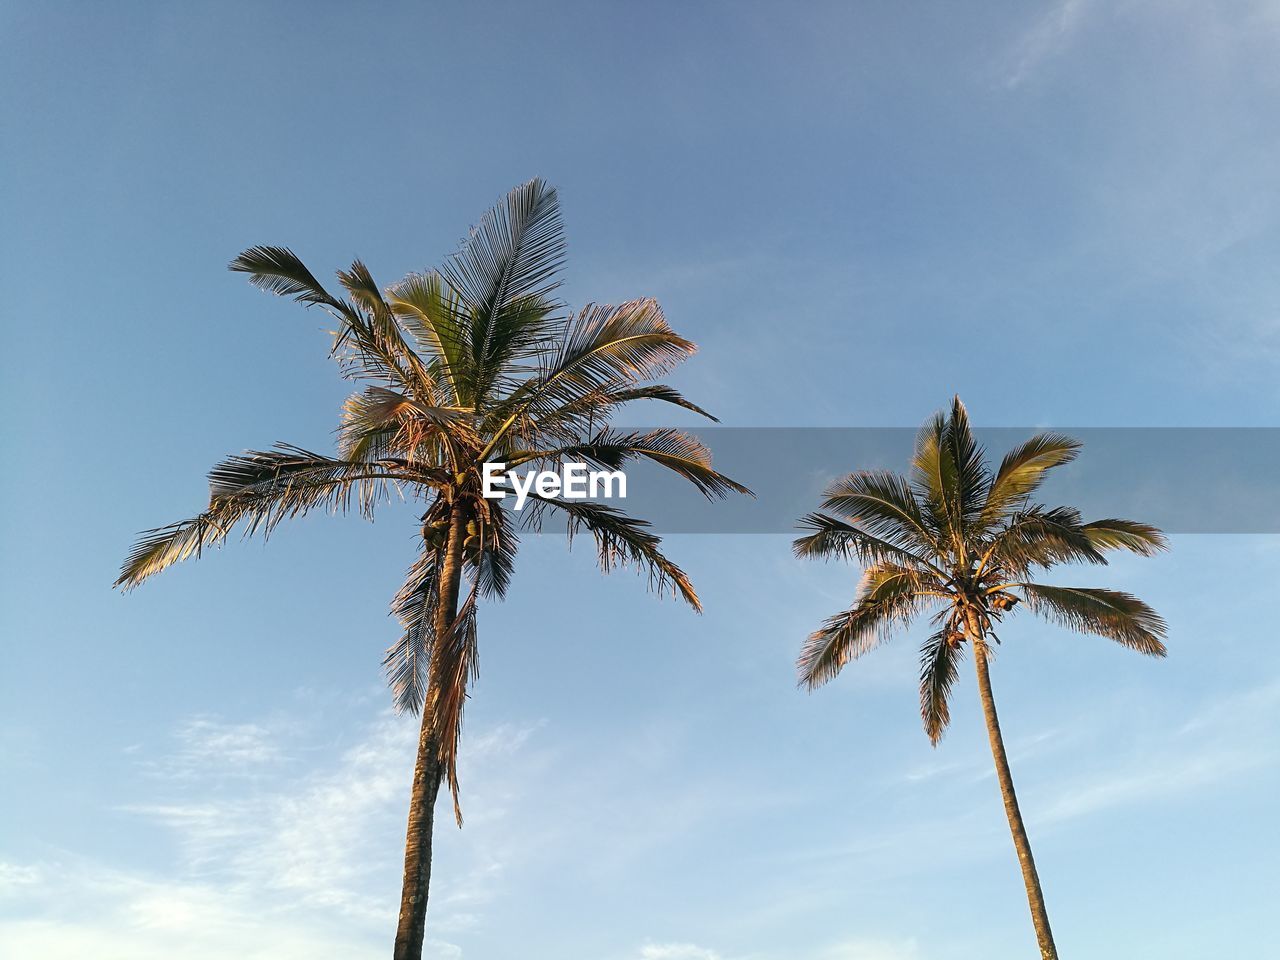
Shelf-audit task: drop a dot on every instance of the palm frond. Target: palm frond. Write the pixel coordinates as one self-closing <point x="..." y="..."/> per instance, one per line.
<point x="454" y="666"/>
<point x="164" y="546"/>
<point x="940" y="658"/>
<point x="514" y="253"/>
<point x="278" y="270"/>
<point x="262" y="488"/>
<point x="832" y="538"/>
<point x="950" y="474"/>
<point x="504" y="276"/>
<point x="1022" y="471"/>
<point x="605" y="346"/>
<point x="655" y="391"/>
<point x="884" y="504"/>
<point x="581" y="412"/>
<point x="972" y="476"/>
<point x="1108" y="613"/>
<point x="848" y="635"/>
<point x="287" y="481"/>
<point x="676" y="450"/>
<point x="494" y="562"/>
<point x="379" y="422"/>
<point x="1041" y="538"/>
<point x="406" y="660"/>
<point x="501" y="354"/>
<point x="366" y="344"/>
<point x="379" y="340"/>
<point x="933" y="475"/>
<point x="885" y="578"/>
<point x="619" y="539"/>
<point x="1139" y="538"/>
<point x="431" y="313"/>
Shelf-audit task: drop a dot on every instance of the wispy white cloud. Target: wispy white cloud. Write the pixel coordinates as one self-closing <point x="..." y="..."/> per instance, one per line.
<point x="205" y="747"/>
<point x="1050" y="35"/>
<point x="1164" y="779"/>
<point x="77" y="908"/>
<point x="1223" y="740"/>
<point x="14" y="877"/>
<point x="277" y="866"/>
<point x="677" y="951"/>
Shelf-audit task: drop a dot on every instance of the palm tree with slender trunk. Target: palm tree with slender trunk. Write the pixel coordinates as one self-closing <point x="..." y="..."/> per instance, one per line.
<point x="474" y="363"/>
<point x="955" y="538"/>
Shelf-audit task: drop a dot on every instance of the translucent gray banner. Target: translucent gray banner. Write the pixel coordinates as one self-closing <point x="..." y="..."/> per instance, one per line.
<point x="1183" y="480"/>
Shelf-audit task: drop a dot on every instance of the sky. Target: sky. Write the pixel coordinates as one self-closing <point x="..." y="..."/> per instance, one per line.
<point x="1065" y="212"/>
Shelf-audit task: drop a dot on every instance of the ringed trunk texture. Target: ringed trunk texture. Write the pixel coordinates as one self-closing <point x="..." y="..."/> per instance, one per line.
<point x="427" y="772"/>
<point x="1035" y="896"/>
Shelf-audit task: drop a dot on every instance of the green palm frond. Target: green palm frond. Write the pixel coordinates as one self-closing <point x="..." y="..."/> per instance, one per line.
<point x="494" y="563"/>
<point x="934" y="477"/>
<point x="619" y="539"/>
<point x="581" y="413"/>
<point x="261" y="488"/>
<point x="518" y="336"/>
<point x="940" y="658"/>
<point x="1041" y="538"/>
<point x="848" y="635"/>
<point x="278" y="270"/>
<point x="379" y="422"/>
<point x="406" y="660"/>
<point x="431" y="313"/>
<point x="1140" y="538"/>
<point x="605" y="346"/>
<point x="613" y="397"/>
<point x="1022" y="471"/>
<point x="884" y="504"/>
<point x="380" y="340"/>
<point x="972" y="478"/>
<point x="164" y="546"/>
<point x="1108" y="613"/>
<point x="950" y="475"/>
<point x="888" y="595"/>
<point x="365" y="292"/>
<point x="364" y="346"/>
<point x="834" y="539"/>
<point x="504" y="276"/>
<point x="515" y="253"/>
<point x="675" y="450"/>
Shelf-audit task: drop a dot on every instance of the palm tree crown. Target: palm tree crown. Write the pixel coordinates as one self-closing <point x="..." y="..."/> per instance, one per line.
<point x="474" y="362"/>
<point x="966" y="541"/>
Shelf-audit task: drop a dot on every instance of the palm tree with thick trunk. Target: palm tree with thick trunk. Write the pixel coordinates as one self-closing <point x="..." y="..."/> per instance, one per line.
<point x="962" y="541"/>
<point x="474" y="363"/>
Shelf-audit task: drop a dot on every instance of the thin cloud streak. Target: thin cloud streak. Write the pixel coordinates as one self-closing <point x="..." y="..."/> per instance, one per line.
<point x="1047" y="38"/>
<point x="291" y="867"/>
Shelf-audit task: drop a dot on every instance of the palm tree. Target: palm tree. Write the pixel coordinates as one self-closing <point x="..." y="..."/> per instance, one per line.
<point x="473" y="363"/>
<point x="963" y="541"/>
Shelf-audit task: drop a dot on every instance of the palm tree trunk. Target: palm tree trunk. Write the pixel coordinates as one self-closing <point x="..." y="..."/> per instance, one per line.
<point x="427" y="771"/>
<point x="1035" y="896"/>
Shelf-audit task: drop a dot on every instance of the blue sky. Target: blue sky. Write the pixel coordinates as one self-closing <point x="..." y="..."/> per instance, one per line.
<point x="1065" y="212"/>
